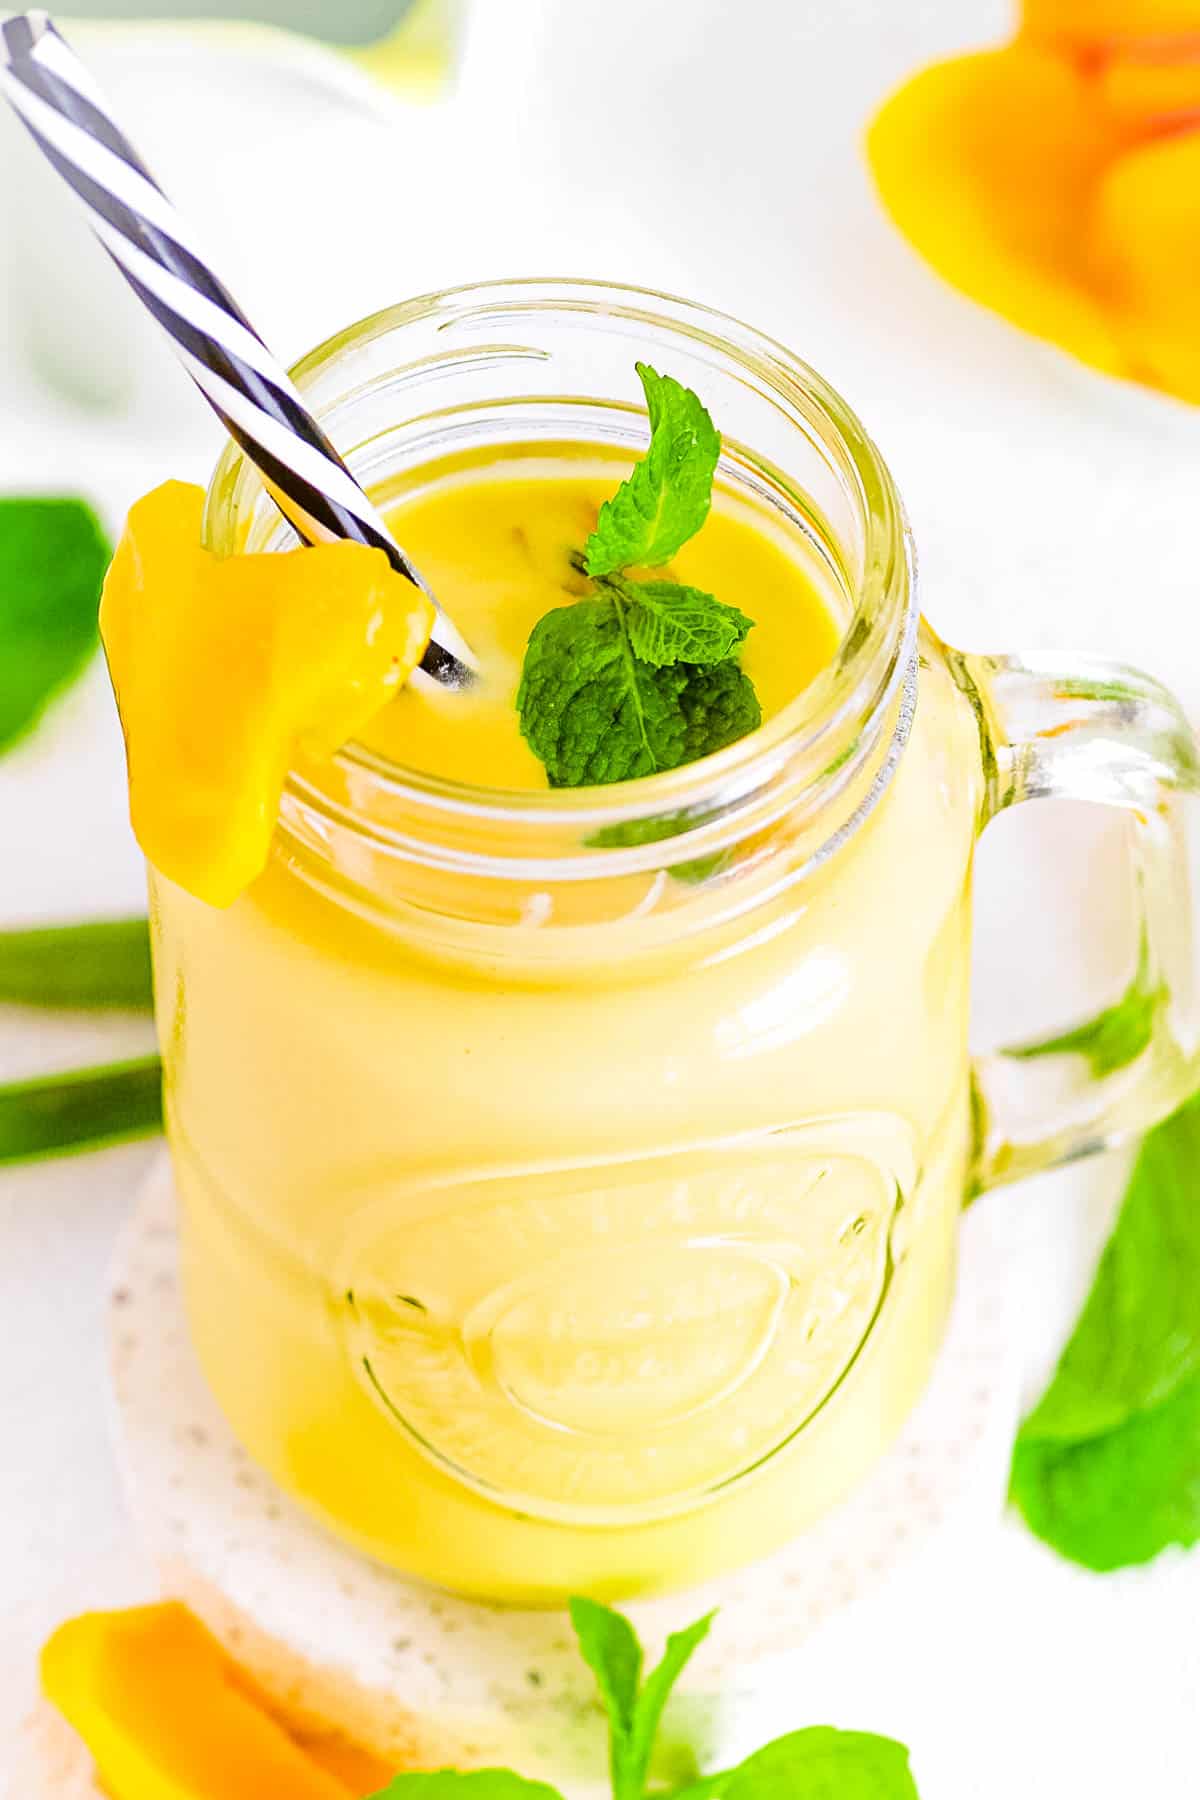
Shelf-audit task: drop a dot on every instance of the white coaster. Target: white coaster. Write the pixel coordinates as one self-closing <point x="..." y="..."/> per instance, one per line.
<point x="425" y="1678"/>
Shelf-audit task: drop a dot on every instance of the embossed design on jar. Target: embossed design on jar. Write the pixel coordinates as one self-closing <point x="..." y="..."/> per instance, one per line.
<point x="619" y="1342"/>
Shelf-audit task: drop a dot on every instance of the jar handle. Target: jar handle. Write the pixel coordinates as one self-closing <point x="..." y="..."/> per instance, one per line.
<point x="1104" y="733"/>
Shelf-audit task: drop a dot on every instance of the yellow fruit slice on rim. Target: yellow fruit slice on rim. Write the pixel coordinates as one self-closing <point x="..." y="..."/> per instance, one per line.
<point x="224" y="668"/>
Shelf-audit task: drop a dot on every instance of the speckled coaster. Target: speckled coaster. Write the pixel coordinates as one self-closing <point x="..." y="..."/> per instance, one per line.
<point x="426" y="1678"/>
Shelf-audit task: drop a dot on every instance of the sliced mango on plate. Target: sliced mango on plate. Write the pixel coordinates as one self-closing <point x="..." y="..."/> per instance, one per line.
<point x="166" y="1715"/>
<point x="987" y="165"/>
<point x="1055" y="180"/>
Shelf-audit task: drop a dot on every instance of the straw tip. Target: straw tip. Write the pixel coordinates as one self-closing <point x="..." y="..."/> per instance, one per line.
<point x="23" y="32"/>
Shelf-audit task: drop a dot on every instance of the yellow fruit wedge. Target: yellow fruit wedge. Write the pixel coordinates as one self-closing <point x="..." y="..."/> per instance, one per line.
<point x="1108" y="22"/>
<point x="166" y="1716"/>
<point x="987" y="164"/>
<point x="1145" y="244"/>
<point x="224" y="667"/>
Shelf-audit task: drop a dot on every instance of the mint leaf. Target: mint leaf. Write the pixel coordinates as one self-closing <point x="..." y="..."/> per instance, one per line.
<point x="53" y="554"/>
<point x="79" y="1111"/>
<point x="666" y="499"/>
<point x="669" y="623"/>
<point x="611" y="1650"/>
<point x="476" y="1784"/>
<point x="818" y="1764"/>
<point x="86" y="966"/>
<point x="1110" y="1502"/>
<point x="1138" y="1336"/>
<point x="592" y="712"/>
<point x="1117" y="1036"/>
<point x="1107" y="1466"/>
<point x="681" y="1647"/>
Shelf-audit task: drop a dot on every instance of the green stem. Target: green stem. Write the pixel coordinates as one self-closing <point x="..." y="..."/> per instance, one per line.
<point x="84" y="966"/>
<point x="80" y="1110"/>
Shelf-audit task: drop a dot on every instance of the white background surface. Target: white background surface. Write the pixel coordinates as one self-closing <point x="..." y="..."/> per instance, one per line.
<point x="710" y="148"/>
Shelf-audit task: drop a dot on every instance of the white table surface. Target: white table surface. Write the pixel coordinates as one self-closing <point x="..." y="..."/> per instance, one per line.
<point x="712" y="149"/>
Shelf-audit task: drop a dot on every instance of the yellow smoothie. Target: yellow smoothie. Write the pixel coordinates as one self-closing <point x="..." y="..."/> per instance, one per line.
<point x="534" y="1246"/>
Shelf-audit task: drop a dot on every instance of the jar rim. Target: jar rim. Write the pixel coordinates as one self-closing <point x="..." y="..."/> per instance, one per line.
<point x="812" y="736"/>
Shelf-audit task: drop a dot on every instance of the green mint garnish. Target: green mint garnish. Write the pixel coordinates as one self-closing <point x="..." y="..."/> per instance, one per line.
<point x="53" y="554"/>
<point x="1106" y="1468"/>
<point x="666" y="499"/>
<point x="641" y="675"/>
<point x="670" y="623"/>
<point x="817" y="1764"/>
<point x="594" y="712"/>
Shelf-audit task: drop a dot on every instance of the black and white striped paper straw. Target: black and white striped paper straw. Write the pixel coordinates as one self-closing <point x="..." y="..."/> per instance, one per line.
<point x="56" y="99"/>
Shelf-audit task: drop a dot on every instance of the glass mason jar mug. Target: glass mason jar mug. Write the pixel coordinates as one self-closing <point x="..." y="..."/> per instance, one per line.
<point x="569" y="1180"/>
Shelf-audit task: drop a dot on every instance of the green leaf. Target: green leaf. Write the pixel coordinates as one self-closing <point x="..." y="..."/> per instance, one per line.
<point x="475" y="1784"/>
<point x="1138" y="1336"/>
<point x="611" y="1650"/>
<point x="817" y="1764"/>
<point x="53" y="554"/>
<point x="593" y="713"/>
<point x="666" y="499"/>
<point x="85" y="966"/>
<point x="1117" y="1036"/>
<point x="656" y="1691"/>
<point x="1107" y="1466"/>
<point x="1110" y="1502"/>
<point x="669" y="623"/>
<point x="82" y="1110"/>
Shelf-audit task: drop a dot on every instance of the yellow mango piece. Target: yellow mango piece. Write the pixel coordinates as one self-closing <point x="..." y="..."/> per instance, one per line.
<point x="1102" y="22"/>
<point x="163" y="1712"/>
<point x="987" y="164"/>
<point x="1145" y="94"/>
<point x="224" y="667"/>
<point x="1145" y="247"/>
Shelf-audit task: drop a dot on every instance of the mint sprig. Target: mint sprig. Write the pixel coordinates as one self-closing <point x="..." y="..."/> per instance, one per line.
<point x="819" y="1763"/>
<point x="1106" y="1468"/>
<point x="611" y="1650"/>
<point x="641" y="674"/>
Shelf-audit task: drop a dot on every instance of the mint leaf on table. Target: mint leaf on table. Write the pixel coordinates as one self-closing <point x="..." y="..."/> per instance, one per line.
<point x="666" y="499"/>
<point x="611" y="1650"/>
<point x="593" y="712"/>
<point x="1110" y="1502"/>
<point x="668" y="623"/>
<point x="817" y="1764"/>
<point x="1106" y="1468"/>
<point x="475" y="1784"/>
<point x="80" y="1110"/>
<point x="86" y="966"/>
<point x="1117" y="1036"/>
<point x="53" y="554"/>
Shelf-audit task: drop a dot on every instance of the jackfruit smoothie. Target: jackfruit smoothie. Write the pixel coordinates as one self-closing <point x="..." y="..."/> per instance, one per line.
<point x="571" y="1120"/>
